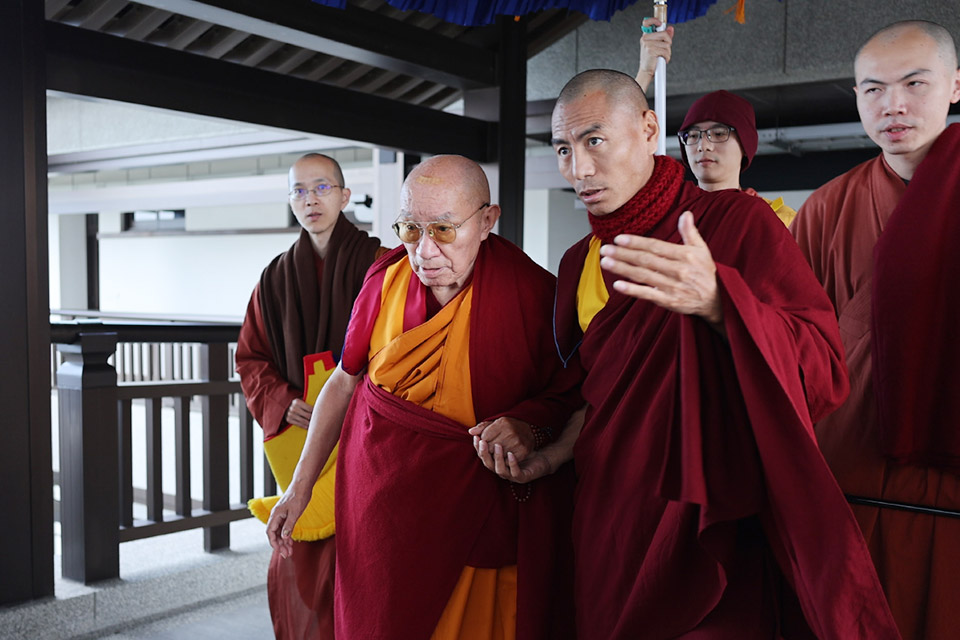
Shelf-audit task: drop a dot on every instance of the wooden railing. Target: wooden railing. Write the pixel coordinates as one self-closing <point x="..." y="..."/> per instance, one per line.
<point x="96" y="428"/>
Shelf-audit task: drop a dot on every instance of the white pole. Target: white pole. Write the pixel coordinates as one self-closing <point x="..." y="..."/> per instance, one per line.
<point x="660" y="81"/>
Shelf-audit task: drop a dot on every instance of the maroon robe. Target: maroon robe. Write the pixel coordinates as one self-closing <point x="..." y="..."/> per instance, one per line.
<point x="300" y="306"/>
<point x="414" y="504"/>
<point x="703" y="507"/>
<point x="917" y="556"/>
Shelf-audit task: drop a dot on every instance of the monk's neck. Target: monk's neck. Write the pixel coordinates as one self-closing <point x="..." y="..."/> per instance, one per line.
<point x="905" y="164"/>
<point x="321" y="242"/>
<point x="718" y="186"/>
<point x="445" y="294"/>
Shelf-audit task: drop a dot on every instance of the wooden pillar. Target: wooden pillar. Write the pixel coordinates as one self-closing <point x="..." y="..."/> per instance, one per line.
<point x="216" y="442"/>
<point x="89" y="476"/>
<point x="26" y="539"/>
<point x="511" y="134"/>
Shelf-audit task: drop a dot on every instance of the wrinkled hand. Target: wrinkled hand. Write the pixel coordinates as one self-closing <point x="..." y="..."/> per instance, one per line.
<point x="658" y="44"/>
<point x="515" y="436"/>
<point x="681" y="278"/>
<point x="282" y="518"/>
<point x="536" y="465"/>
<point x="299" y="413"/>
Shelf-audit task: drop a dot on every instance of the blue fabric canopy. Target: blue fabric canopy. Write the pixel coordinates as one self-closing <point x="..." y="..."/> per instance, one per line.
<point x="474" y="13"/>
<point x="683" y="10"/>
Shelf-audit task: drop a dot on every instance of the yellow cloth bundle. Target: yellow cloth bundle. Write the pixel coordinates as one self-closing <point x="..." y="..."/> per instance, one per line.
<point x="283" y="453"/>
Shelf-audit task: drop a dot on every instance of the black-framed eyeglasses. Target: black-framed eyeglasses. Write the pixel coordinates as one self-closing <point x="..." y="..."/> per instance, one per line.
<point x="441" y="231"/>
<point x="321" y="190"/>
<point x="716" y="133"/>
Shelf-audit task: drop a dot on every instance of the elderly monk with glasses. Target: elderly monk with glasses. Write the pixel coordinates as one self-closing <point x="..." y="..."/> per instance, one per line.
<point x="451" y="332"/>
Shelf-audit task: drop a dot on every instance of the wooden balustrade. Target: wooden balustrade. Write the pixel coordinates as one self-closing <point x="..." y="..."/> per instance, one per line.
<point x="96" y="433"/>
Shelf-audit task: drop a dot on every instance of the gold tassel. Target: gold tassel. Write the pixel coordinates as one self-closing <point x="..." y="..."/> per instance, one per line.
<point x="741" y="15"/>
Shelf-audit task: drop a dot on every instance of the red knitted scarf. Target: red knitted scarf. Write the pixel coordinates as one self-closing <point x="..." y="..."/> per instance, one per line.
<point x="640" y="213"/>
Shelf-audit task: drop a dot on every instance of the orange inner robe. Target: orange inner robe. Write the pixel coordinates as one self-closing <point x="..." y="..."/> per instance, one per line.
<point x="429" y="366"/>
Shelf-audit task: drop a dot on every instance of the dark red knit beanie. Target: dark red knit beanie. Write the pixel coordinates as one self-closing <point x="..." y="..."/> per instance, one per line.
<point x="731" y="110"/>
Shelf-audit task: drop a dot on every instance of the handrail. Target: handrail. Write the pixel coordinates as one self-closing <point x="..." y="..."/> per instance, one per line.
<point x="144" y="317"/>
<point x="69" y="332"/>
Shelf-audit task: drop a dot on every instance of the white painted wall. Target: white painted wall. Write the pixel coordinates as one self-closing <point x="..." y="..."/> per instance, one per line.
<point x="536" y="219"/>
<point x="185" y="275"/>
<point x="72" y="288"/>
<point x="53" y="257"/>
<point x="568" y="224"/>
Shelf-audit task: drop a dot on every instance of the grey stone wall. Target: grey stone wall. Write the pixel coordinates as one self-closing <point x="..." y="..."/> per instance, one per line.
<point x="788" y="42"/>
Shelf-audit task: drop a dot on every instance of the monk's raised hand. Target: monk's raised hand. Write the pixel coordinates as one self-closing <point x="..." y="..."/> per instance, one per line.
<point x="678" y="277"/>
<point x="513" y="435"/>
<point x="657" y="44"/>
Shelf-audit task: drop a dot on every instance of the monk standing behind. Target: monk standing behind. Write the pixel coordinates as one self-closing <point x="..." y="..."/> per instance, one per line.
<point x="450" y="330"/>
<point x="718" y="137"/>
<point x="299" y="308"/>
<point x="886" y="253"/>
<point x="703" y="507"/>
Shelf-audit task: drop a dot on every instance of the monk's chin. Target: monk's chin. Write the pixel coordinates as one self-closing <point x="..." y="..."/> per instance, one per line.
<point x="603" y="211"/>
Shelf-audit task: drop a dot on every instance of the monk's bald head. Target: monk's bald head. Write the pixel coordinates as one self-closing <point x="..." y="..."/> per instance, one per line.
<point x="619" y="88"/>
<point x="449" y="173"/>
<point x="891" y="35"/>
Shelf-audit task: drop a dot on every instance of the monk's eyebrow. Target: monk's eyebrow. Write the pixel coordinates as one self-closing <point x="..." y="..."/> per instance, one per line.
<point x="578" y="137"/>
<point x="915" y="72"/>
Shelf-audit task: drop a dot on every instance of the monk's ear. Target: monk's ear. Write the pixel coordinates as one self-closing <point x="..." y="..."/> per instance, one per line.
<point x="344" y="198"/>
<point x="488" y="218"/>
<point x="650" y="126"/>
<point x="955" y="89"/>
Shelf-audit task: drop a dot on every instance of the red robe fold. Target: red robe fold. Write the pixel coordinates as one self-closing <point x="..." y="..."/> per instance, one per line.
<point x="414" y="505"/>
<point x="703" y="507"/>
<point x="916" y="315"/>
<point x="300" y="306"/>
<point x="917" y="556"/>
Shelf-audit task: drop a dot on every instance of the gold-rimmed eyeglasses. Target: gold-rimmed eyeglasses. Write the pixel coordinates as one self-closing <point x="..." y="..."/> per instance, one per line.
<point x="440" y="231"/>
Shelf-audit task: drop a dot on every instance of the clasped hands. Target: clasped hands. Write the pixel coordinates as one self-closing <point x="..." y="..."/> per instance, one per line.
<point x="506" y="447"/>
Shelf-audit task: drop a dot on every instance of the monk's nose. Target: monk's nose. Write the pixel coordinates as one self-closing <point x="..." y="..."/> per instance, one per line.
<point x="894" y="101"/>
<point x="427" y="246"/>
<point x="583" y="165"/>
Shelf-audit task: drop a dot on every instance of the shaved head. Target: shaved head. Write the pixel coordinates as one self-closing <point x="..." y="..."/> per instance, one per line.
<point x="890" y="34"/>
<point x="449" y="193"/>
<point x="451" y="173"/>
<point x="319" y="158"/>
<point x="619" y="88"/>
<point x="906" y="79"/>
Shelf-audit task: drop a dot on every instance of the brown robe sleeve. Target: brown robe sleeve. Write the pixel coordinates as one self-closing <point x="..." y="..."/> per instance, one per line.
<point x="267" y="393"/>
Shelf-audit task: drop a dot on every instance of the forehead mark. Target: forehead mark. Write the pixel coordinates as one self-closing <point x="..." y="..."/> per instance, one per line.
<point x="428" y="180"/>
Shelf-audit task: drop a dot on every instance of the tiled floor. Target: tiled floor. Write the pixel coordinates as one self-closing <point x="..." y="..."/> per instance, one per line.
<point x="245" y="618"/>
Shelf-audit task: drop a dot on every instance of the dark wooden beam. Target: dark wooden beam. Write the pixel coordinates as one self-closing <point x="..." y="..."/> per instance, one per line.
<point x="512" y="140"/>
<point x="352" y="34"/>
<point x="93" y="64"/>
<point x="26" y="538"/>
<point x="550" y="28"/>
